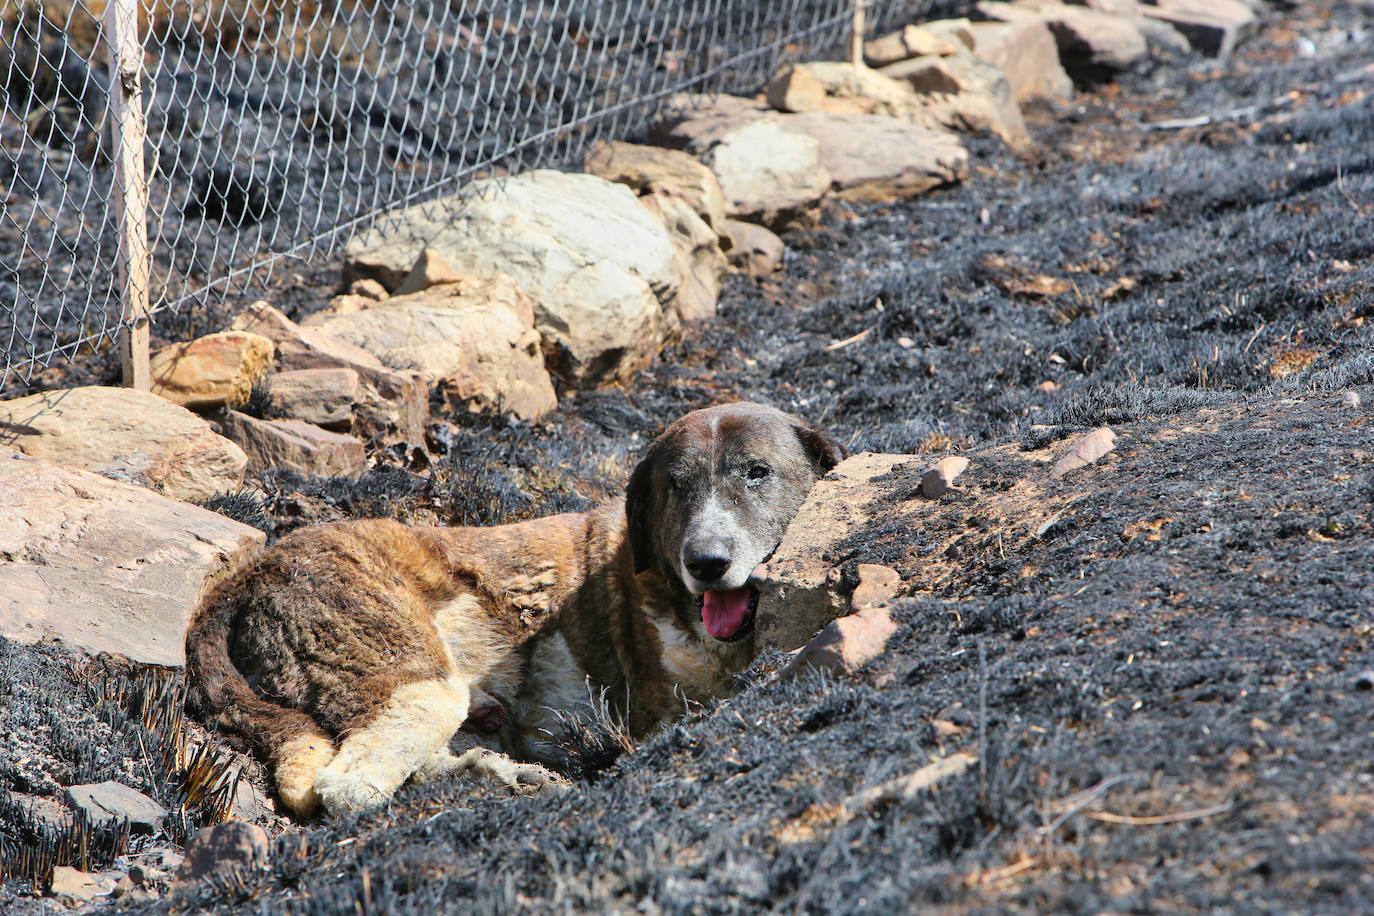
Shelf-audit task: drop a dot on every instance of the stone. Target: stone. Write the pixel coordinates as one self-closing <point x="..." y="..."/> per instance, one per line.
<point x="393" y="406"/>
<point x="1351" y="399"/>
<point x="127" y="435"/>
<point x="294" y="445"/>
<point x="702" y="265"/>
<point x="796" y="90"/>
<point x="231" y="845"/>
<point x="351" y="302"/>
<point x="102" y="565"/>
<point x="878" y="585"/>
<point x="907" y="42"/>
<point x="1127" y="8"/>
<point x="211" y="371"/>
<point x="1212" y="27"/>
<point x="368" y="288"/>
<point x="1028" y="57"/>
<point x="324" y="397"/>
<point x="473" y="338"/>
<point x="798" y="591"/>
<point x="871" y="158"/>
<point x="654" y="170"/>
<point x="1364" y="680"/>
<point x="754" y="249"/>
<point x="249" y="803"/>
<point x="111" y="802"/>
<point x="845" y="645"/>
<point x="955" y="31"/>
<point x="695" y="120"/>
<point x="939" y="480"/>
<point x="597" y="265"/>
<point x="925" y="74"/>
<point x="1090" y="448"/>
<point x="77" y="887"/>
<point x="768" y="175"/>
<point x="430" y="269"/>
<point x="1093" y="46"/>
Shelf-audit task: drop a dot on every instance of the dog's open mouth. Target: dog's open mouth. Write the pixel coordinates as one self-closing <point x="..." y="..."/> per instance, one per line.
<point x="729" y="614"/>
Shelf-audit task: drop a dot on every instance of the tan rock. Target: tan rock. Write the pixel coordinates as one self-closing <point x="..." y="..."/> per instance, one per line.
<point x="475" y="339"/>
<point x="393" y="406"/>
<point x="655" y="170"/>
<point x="939" y="480"/>
<point x="211" y="371"/>
<point x="845" y="645"/>
<point x="102" y="565"/>
<point x="324" y="397"/>
<point x="754" y="249"/>
<point x="431" y="269"/>
<point x="76" y="886"/>
<point x="1088" y="449"/>
<point x="368" y="289"/>
<point x="869" y="157"/>
<point x="1027" y="55"/>
<point x="796" y="90"/>
<point x="702" y="265"/>
<point x="127" y="435"/>
<point x="349" y="303"/>
<point x="907" y="42"/>
<point x="767" y="174"/>
<point x="878" y="585"/>
<point x="1092" y="45"/>
<point x="956" y="31"/>
<point x="925" y="74"/>
<point x="294" y="445"/>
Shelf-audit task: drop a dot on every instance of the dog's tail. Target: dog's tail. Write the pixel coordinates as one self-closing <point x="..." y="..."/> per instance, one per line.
<point x="292" y="742"/>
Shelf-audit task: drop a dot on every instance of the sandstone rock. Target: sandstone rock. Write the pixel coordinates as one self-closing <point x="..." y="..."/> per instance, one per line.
<point x="473" y="338"/>
<point x="1127" y="8"/>
<point x="796" y="90"/>
<point x="368" y="289"/>
<point x="76" y="887"/>
<point x="655" y="170"/>
<point x="1028" y="57"/>
<point x="925" y="74"/>
<point x="955" y="31"/>
<point x="597" y="265"/>
<point x="1090" y="448"/>
<point x="294" y="445"/>
<point x="1213" y="27"/>
<point x="211" y="371"/>
<point x="845" y="645"/>
<point x="878" y="585"/>
<point x="324" y="397"/>
<point x="875" y="158"/>
<point x="907" y="42"/>
<point x="104" y="566"/>
<point x="755" y="250"/>
<point x="127" y="435"/>
<point x="1092" y="45"/>
<point x="234" y="844"/>
<point x="702" y="265"/>
<point x="939" y="480"/>
<point x="349" y="303"/>
<point x="799" y="593"/>
<point x="767" y="174"/>
<point x="106" y="802"/>
<point x="393" y="406"/>
<point x="695" y="120"/>
<point x="430" y="269"/>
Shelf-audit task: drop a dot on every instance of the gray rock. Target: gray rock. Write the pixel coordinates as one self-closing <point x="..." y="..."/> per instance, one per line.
<point x="1028" y="57"/>
<point x="232" y="845"/>
<point x="105" y="802"/>
<point x="324" y="397"/>
<point x="1213" y="27"/>
<point x="869" y="157"/>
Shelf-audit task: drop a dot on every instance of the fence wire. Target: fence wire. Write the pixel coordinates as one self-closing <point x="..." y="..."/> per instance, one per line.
<point x="277" y="129"/>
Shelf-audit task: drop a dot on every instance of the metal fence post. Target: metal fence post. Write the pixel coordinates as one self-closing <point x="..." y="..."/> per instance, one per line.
<point x="130" y="190"/>
<point x="856" y="36"/>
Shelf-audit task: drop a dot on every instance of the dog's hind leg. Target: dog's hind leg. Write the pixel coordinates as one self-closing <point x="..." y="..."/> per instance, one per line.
<point x="372" y="762"/>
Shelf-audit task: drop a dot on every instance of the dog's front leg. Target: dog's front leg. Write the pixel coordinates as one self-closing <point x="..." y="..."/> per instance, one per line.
<point x="472" y="757"/>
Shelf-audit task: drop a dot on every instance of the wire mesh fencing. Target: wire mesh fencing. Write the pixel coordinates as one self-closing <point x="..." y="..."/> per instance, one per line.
<point x="276" y="129"/>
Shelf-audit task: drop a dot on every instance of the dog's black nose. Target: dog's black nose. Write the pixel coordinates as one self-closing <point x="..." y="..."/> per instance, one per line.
<point x="707" y="565"/>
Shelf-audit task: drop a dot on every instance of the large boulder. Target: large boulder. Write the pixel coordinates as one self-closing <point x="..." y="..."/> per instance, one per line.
<point x="294" y="445"/>
<point x="211" y="371"/>
<point x="104" y="565"/>
<point x="601" y="270"/>
<point x="654" y="170"/>
<point x="474" y="338"/>
<point x="392" y="405"/>
<point x="869" y="157"/>
<point x="127" y="435"/>
<point x="701" y="264"/>
<point x="1028" y="57"/>
<point x="768" y="174"/>
<point x="1093" y="46"/>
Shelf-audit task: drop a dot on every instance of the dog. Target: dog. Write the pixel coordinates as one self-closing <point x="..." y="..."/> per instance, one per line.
<point x="349" y="655"/>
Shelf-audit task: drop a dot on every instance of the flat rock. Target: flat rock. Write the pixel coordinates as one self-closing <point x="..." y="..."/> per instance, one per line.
<point x="75" y="887"/>
<point x="754" y="249"/>
<point x="368" y="289"/>
<point x="799" y="592"/>
<point x="1212" y="27"/>
<point x="234" y="844"/>
<point x="127" y="435"/>
<point x="796" y="90"/>
<point x="701" y="264"/>
<point x="846" y="644"/>
<point x="905" y="43"/>
<point x="102" y="565"/>
<point x="392" y="406"/>
<point x="869" y="157"/>
<point x="693" y="121"/>
<point x="939" y="480"/>
<point x="473" y="338"/>
<point x="324" y="397"/>
<point x="655" y="170"/>
<point x="1027" y="55"/>
<point x="598" y="266"/>
<point x="294" y="445"/>
<point x="105" y="802"/>
<point x="1093" y="46"/>
<point x="1088" y="450"/>
<point x="768" y="174"/>
<point x="878" y="585"/>
<point x="211" y="371"/>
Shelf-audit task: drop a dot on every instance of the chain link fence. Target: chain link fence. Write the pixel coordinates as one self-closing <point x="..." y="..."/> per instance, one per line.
<point x="277" y="129"/>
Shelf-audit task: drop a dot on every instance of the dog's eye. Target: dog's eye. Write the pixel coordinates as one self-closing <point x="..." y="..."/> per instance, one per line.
<point x="758" y="472"/>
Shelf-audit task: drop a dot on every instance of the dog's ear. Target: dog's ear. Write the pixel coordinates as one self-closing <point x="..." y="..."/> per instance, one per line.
<point x="824" y="449"/>
<point x="639" y="512"/>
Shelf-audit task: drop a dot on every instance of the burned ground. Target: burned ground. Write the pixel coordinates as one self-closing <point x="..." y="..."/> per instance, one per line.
<point x="1155" y="661"/>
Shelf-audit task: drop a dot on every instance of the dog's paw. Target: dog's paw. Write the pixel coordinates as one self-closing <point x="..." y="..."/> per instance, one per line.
<point x="520" y="778"/>
<point x="346" y="793"/>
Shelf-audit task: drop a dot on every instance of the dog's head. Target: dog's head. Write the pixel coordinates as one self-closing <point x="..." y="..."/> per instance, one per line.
<point x="711" y="498"/>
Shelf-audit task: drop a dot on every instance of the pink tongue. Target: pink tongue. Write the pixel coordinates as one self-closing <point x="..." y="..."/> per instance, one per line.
<point x="724" y="612"/>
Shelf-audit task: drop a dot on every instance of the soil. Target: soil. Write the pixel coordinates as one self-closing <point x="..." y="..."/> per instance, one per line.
<point x="1166" y="690"/>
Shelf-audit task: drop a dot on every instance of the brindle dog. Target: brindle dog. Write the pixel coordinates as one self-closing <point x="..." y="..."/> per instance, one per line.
<point x="348" y="654"/>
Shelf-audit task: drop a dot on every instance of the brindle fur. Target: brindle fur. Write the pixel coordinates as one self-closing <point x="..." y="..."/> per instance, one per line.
<point x="347" y="654"/>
